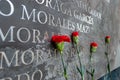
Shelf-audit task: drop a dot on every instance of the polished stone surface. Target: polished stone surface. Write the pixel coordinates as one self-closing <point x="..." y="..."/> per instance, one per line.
<point x="31" y="50"/>
<point x="115" y="75"/>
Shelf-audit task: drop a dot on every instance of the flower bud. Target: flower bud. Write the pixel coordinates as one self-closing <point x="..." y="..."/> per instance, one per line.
<point x="107" y="39"/>
<point x="75" y="37"/>
<point x="93" y="47"/>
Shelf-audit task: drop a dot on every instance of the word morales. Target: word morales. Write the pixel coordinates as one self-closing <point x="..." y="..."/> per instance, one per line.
<point x="19" y="58"/>
<point x="43" y="17"/>
<point x="22" y="35"/>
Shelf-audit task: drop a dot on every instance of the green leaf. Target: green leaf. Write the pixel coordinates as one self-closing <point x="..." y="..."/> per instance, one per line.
<point x="89" y="72"/>
<point x="106" y="53"/>
<point x="65" y="73"/>
<point x="93" y="71"/>
<point x="79" y="70"/>
<point x="108" y="67"/>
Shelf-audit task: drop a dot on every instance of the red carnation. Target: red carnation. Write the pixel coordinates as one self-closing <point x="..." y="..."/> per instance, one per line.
<point x="60" y="38"/>
<point x="107" y="39"/>
<point x="65" y="38"/>
<point x="56" y="38"/>
<point x="107" y="36"/>
<point x="93" y="46"/>
<point x="75" y="37"/>
<point x="75" y="33"/>
<point x="59" y="41"/>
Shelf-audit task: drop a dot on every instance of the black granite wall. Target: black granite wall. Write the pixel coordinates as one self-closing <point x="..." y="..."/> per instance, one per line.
<point x="115" y="75"/>
<point x="26" y="27"/>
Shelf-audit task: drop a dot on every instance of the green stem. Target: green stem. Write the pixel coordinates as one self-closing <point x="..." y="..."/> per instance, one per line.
<point x="92" y="77"/>
<point x="62" y="59"/>
<point x="92" y="70"/>
<point x="81" y="69"/>
<point x="78" y="53"/>
<point x="82" y="77"/>
<point x="64" y="68"/>
<point x="108" y="63"/>
<point x="90" y="59"/>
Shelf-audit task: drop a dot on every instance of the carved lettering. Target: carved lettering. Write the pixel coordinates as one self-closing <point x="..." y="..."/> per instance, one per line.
<point x="11" y="9"/>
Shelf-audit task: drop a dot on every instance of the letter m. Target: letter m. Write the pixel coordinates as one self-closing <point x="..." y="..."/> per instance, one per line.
<point x="4" y="36"/>
<point x="31" y="15"/>
<point x="4" y="59"/>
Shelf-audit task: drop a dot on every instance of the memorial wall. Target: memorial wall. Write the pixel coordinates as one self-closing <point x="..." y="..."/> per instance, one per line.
<point x="26" y="28"/>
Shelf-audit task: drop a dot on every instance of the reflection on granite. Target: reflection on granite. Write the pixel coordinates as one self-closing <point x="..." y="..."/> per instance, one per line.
<point x="115" y="75"/>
